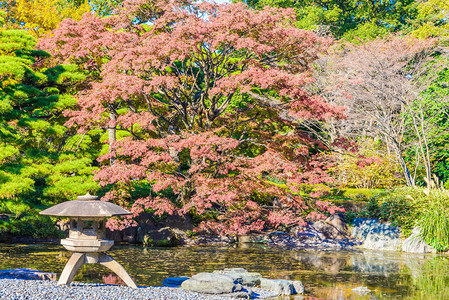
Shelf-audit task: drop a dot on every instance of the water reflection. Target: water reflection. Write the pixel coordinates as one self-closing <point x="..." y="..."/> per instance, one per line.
<point x="326" y="275"/>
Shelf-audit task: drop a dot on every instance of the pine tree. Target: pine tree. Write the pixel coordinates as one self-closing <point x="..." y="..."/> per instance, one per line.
<point x="39" y="161"/>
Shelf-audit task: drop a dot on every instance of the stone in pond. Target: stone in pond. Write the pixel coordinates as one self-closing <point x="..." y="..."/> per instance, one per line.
<point x="212" y="283"/>
<point x="416" y="244"/>
<point x="242" y="276"/>
<point x="298" y="286"/>
<point x="279" y="286"/>
<point x="29" y="274"/>
<point x="361" y="290"/>
<point x="174" y="281"/>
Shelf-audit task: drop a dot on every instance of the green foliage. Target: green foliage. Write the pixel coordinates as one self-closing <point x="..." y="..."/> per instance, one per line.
<point x="371" y="210"/>
<point x="433" y="279"/>
<point x="432" y="20"/>
<point x="39" y="167"/>
<point x="355" y="20"/>
<point x="366" y="32"/>
<point x="410" y="207"/>
<point x="34" y="226"/>
<point x="371" y="167"/>
<point x="359" y="194"/>
<point x="398" y="211"/>
<point x="433" y="104"/>
<point x="434" y="220"/>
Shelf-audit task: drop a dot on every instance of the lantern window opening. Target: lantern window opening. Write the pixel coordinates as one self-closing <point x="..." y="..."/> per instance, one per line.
<point x="88" y="224"/>
<point x="74" y="225"/>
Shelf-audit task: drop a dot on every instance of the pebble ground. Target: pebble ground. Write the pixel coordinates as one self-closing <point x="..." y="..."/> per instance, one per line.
<point x="18" y="289"/>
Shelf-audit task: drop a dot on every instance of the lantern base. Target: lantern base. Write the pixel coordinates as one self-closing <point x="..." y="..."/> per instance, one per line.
<point x="83" y="246"/>
<point x="78" y="259"/>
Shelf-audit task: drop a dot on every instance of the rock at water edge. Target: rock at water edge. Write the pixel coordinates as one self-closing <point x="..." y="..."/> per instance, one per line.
<point x="212" y="283"/>
<point x="361" y="227"/>
<point x="379" y="236"/>
<point x="163" y="237"/>
<point x="416" y="244"/>
<point x="279" y="286"/>
<point x="298" y="286"/>
<point x="241" y="275"/>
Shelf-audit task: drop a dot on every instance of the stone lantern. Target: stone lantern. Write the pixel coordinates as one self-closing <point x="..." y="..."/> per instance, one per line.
<point x="87" y="235"/>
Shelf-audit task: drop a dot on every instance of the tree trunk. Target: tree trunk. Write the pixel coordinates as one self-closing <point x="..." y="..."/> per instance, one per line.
<point x="112" y="131"/>
<point x="409" y="180"/>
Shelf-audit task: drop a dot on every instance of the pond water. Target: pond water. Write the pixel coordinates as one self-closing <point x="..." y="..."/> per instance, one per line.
<point x="326" y="275"/>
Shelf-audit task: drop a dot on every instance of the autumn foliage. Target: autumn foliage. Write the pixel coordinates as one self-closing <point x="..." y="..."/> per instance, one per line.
<point x="202" y="104"/>
<point x="39" y="17"/>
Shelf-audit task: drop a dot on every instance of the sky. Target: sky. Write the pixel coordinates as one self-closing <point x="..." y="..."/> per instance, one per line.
<point x="222" y="1"/>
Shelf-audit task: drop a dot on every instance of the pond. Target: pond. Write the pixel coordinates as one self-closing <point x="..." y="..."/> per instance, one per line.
<point x="326" y="275"/>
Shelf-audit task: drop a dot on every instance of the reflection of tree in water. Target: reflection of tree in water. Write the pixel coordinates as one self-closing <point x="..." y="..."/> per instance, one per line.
<point x="322" y="261"/>
<point x="112" y="279"/>
<point x="432" y="282"/>
<point x="328" y="275"/>
<point x="376" y="263"/>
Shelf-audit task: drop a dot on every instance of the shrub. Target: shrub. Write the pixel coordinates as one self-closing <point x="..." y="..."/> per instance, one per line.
<point x="372" y="209"/>
<point x="34" y="226"/>
<point x="434" y="220"/>
<point x="399" y="212"/>
<point x="436" y="285"/>
<point x="369" y="167"/>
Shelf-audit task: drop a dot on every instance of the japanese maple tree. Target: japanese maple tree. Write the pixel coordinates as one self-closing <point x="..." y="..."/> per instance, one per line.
<point x="203" y="103"/>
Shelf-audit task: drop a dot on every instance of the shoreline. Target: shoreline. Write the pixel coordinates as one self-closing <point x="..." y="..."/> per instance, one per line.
<point x="18" y="289"/>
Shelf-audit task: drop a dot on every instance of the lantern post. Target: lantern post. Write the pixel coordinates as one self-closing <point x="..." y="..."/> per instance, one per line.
<point x="86" y="237"/>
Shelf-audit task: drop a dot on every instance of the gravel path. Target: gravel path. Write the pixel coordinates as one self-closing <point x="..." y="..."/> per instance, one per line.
<point x="15" y="289"/>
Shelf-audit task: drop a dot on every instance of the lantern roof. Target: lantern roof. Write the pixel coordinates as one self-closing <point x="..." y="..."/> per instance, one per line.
<point x="85" y="206"/>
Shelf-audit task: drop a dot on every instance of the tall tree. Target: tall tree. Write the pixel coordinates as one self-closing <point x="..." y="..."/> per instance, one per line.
<point x="382" y="83"/>
<point x="432" y="20"/>
<point x="209" y="98"/>
<point x="355" y="20"/>
<point x="36" y="164"/>
<point x="40" y="17"/>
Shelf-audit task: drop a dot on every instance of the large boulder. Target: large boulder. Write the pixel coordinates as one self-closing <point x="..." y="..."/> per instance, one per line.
<point x="182" y="223"/>
<point x="416" y="244"/>
<point x="253" y="238"/>
<point x="361" y="227"/>
<point x="179" y="227"/>
<point x="163" y="237"/>
<point x="210" y="240"/>
<point x="338" y="221"/>
<point x="212" y="283"/>
<point x="242" y="276"/>
<point x="377" y="236"/>
<point x="298" y="286"/>
<point x="334" y="227"/>
<point x="282" y="287"/>
<point x="129" y="235"/>
<point x="146" y="224"/>
<point x="115" y="235"/>
<point x="28" y="274"/>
